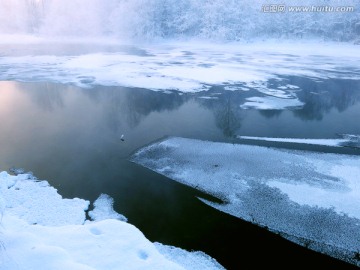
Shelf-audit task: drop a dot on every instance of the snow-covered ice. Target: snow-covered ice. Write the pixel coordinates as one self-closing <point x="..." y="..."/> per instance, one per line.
<point x="185" y="67"/>
<point x="189" y="67"/>
<point x="307" y="197"/>
<point x="196" y="260"/>
<point x="346" y="140"/>
<point x="103" y="209"/>
<point x="272" y="103"/>
<point x="42" y="230"/>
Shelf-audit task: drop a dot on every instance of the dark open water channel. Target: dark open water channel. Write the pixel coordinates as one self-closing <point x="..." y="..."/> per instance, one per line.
<point x="71" y="137"/>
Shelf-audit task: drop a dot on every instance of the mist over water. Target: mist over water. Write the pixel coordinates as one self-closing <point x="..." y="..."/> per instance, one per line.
<point x="221" y="20"/>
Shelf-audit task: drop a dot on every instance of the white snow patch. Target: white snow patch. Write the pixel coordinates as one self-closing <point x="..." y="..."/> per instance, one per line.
<point x="326" y="142"/>
<point x="194" y="260"/>
<point x="107" y="244"/>
<point x="288" y="86"/>
<point x="345" y="140"/>
<point x="272" y="103"/>
<point x="236" y="88"/>
<point x="103" y="209"/>
<point x="207" y="97"/>
<point x="61" y="240"/>
<point x="38" y="203"/>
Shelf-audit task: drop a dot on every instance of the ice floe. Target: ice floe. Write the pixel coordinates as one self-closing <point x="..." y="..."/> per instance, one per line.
<point x="272" y="103"/>
<point x="42" y="230"/>
<point x="307" y="197"/>
<point x="207" y="97"/>
<point x="346" y="140"/>
<point x="288" y="86"/>
<point x="236" y="88"/>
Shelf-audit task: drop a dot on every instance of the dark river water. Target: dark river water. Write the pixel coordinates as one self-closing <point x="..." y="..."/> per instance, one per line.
<point x="72" y="138"/>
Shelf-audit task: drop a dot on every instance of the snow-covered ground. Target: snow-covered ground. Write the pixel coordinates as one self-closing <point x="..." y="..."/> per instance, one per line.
<point x="310" y="198"/>
<point x="41" y="230"/>
<point x="186" y="67"/>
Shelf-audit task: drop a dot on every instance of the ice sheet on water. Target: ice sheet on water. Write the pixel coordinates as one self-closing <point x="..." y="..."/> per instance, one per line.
<point x="310" y="198"/>
<point x="345" y="140"/>
<point x="351" y="140"/>
<point x="326" y="142"/>
<point x="103" y="209"/>
<point x="288" y="86"/>
<point x="208" y="97"/>
<point x="191" y="67"/>
<point x="272" y="103"/>
<point x="236" y="88"/>
<point x="279" y="92"/>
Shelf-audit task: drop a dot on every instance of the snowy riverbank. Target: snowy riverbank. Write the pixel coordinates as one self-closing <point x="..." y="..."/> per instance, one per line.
<point x="42" y="230"/>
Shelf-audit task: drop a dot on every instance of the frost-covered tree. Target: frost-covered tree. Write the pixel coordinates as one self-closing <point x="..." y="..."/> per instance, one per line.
<point x="225" y="20"/>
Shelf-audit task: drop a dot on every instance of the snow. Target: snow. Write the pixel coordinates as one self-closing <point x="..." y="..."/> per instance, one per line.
<point x="207" y="97"/>
<point x="189" y="67"/>
<point x="185" y="67"/>
<point x="103" y="209"/>
<point x="195" y="260"/>
<point x="42" y="230"/>
<point x="236" y="88"/>
<point x="288" y="86"/>
<point x="346" y="140"/>
<point x="18" y="193"/>
<point x="271" y="103"/>
<point x="343" y="202"/>
<point x="327" y="142"/>
<point x="307" y="197"/>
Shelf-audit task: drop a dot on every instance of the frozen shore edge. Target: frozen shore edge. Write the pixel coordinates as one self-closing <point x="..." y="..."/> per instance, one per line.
<point x="42" y="230"/>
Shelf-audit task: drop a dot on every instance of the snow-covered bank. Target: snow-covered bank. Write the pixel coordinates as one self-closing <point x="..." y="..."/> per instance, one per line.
<point x="310" y="198"/>
<point x="41" y="230"/>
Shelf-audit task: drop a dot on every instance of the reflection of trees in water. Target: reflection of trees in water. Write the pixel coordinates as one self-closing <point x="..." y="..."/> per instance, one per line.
<point x="142" y="102"/>
<point x="119" y="104"/>
<point x="47" y="96"/>
<point x="132" y="105"/>
<point x="112" y="101"/>
<point x="271" y="113"/>
<point x="321" y="97"/>
<point x="128" y="106"/>
<point x="227" y="111"/>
